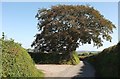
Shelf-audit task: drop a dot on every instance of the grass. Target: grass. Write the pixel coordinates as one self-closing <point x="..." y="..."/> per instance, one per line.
<point x="75" y="58"/>
<point x="74" y="61"/>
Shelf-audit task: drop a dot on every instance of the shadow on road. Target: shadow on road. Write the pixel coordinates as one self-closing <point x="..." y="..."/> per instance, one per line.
<point x="85" y="71"/>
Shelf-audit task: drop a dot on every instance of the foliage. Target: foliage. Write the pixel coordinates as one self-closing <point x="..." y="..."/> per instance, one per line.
<point x="54" y="58"/>
<point x="83" y="55"/>
<point x="46" y="58"/>
<point x="75" y="60"/>
<point x="0" y="57"/>
<point x="64" y="27"/>
<point x="3" y="35"/>
<point x="107" y="62"/>
<point x="16" y="62"/>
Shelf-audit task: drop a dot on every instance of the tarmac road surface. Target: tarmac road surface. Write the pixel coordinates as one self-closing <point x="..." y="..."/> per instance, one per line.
<point x="83" y="69"/>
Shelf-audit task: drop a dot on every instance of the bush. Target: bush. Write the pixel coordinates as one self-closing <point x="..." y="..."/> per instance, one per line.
<point x="16" y="62"/>
<point x="54" y="58"/>
<point x="75" y="59"/>
<point x="84" y="55"/>
<point x="107" y="62"/>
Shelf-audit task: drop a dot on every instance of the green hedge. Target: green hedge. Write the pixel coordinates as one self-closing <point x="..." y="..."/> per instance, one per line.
<point x="54" y="58"/>
<point x="107" y="62"/>
<point x="16" y="62"/>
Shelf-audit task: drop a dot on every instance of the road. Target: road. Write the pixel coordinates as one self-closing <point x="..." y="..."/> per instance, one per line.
<point x="83" y="69"/>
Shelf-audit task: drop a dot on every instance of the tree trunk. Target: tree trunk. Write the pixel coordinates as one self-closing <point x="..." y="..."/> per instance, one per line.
<point x="70" y="55"/>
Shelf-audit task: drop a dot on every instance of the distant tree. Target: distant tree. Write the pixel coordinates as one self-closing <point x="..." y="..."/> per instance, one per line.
<point x="119" y="43"/>
<point x="64" y="27"/>
<point x="90" y="53"/>
<point x="85" y="54"/>
<point x="3" y="35"/>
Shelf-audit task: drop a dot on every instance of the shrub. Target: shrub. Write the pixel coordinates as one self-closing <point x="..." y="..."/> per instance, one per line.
<point x="16" y="62"/>
<point x="106" y="62"/>
<point x="54" y="58"/>
<point x="75" y="58"/>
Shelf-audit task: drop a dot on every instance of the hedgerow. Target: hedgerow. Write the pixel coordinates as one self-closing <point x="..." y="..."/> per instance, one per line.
<point x="106" y="62"/>
<point x="16" y="62"/>
<point x="54" y="58"/>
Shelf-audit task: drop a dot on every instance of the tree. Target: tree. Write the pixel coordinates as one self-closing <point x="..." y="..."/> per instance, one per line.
<point x="64" y="27"/>
<point x="3" y="35"/>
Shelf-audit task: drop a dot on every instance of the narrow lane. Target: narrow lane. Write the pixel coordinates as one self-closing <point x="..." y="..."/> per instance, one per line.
<point x="83" y="69"/>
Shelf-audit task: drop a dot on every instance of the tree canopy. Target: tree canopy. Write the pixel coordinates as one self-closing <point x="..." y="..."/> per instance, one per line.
<point x="64" y="27"/>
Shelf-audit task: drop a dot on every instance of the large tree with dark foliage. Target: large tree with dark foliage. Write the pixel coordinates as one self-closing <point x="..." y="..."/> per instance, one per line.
<point x="64" y="27"/>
